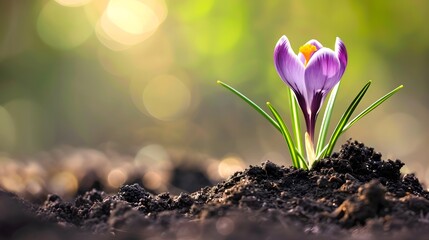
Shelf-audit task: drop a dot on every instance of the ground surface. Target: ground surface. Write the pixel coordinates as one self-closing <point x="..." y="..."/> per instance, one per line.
<point x="354" y="194"/>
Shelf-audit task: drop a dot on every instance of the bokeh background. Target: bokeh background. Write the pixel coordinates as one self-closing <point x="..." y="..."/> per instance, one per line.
<point x="133" y="75"/>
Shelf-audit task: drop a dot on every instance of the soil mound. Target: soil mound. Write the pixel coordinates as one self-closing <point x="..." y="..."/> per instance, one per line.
<point x="353" y="194"/>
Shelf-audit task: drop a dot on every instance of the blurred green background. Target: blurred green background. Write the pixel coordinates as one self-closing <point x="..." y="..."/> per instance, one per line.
<point x="137" y="72"/>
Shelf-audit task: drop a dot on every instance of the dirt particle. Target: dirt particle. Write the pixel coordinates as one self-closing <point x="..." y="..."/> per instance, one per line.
<point x="132" y="193"/>
<point x="368" y="203"/>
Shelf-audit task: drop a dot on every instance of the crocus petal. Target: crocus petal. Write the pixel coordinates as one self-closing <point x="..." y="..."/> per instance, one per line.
<point x="288" y="66"/>
<point x="321" y="73"/>
<point x="315" y="43"/>
<point x="301" y="58"/>
<point x="341" y="51"/>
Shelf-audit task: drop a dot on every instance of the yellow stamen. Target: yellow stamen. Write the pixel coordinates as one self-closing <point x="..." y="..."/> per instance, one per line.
<point x="307" y="50"/>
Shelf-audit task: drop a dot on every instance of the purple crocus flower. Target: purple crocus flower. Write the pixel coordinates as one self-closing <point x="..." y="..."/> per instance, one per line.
<point x="311" y="74"/>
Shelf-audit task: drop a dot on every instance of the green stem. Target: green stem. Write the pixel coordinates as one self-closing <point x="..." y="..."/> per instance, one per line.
<point x="296" y="124"/>
<point x="326" y="119"/>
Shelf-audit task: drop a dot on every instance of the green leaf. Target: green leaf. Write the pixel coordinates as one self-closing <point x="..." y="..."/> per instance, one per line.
<point x="344" y="119"/>
<point x="371" y="107"/>
<point x="302" y="163"/>
<point x="326" y="120"/>
<point x="296" y="124"/>
<point x="286" y="135"/>
<point x="297" y="158"/>
<point x="252" y="104"/>
<point x="321" y="153"/>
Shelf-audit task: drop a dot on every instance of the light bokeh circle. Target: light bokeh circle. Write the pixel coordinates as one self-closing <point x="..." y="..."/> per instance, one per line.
<point x="73" y="3"/>
<point x="62" y="27"/>
<point x="166" y="98"/>
<point x="125" y="23"/>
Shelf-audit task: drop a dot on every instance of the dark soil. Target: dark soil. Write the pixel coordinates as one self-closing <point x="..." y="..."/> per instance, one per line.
<point x="354" y="194"/>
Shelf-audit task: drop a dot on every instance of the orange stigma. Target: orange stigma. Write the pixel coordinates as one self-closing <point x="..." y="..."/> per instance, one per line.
<point x="307" y="50"/>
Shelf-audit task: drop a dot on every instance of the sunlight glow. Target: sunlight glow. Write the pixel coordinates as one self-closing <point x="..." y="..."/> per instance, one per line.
<point x="153" y="180"/>
<point x="64" y="183"/>
<point x="229" y="166"/>
<point x="151" y="155"/>
<point x="116" y="177"/>
<point x="12" y="182"/>
<point x="73" y="3"/>
<point x="166" y="98"/>
<point x="133" y="17"/>
<point x="125" y="23"/>
<point x="63" y="28"/>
